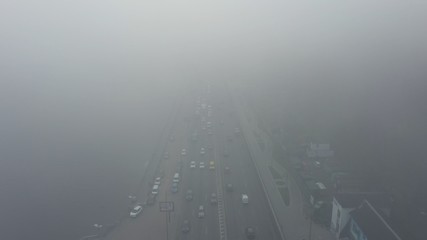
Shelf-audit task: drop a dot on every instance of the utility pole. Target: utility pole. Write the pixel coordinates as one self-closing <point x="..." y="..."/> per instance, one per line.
<point x="167" y="214"/>
<point x="311" y="222"/>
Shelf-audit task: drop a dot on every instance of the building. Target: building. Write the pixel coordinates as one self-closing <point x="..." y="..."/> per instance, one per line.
<point x="366" y="223"/>
<point x="319" y="150"/>
<point x="344" y="203"/>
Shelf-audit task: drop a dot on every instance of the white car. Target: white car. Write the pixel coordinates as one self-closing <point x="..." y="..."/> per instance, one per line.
<point x="157" y="181"/>
<point x="201" y="213"/>
<point x="245" y="199"/>
<point x="183" y="152"/>
<point x="135" y="211"/>
<point x="193" y="164"/>
<point x="202" y="151"/>
<point x="202" y="165"/>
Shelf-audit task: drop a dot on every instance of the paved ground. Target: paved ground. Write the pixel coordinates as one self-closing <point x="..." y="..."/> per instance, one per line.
<point x="293" y="218"/>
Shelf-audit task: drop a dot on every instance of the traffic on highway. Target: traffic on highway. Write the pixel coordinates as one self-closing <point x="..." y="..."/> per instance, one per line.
<point x="204" y="185"/>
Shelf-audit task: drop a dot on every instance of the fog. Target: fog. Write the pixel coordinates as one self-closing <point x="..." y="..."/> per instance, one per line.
<point x="86" y="87"/>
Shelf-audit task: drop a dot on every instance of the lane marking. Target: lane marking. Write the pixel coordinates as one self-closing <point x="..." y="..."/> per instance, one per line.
<point x="219" y="194"/>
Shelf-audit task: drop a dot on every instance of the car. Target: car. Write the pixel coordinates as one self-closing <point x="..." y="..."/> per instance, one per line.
<point x="166" y="155"/>
<point x="192" y="164"/>
<point x="250" y="233"/>
<point x="136" y="211"/>
<point x="189" y="195"/>
<point x="229" y="138"/>
<point x="203" y="128"/>
<point x="245" y="199"/>
<point x="201" y="213"/>
<point x="157" y="181"/>
<point x="184" y="152"/>
<point x="229" y="187"/>
<point x="227" y="170"/>
<point x="213" y="199"/>
<point x="185" y="227"/>
<point x="174" y="187"/>
<point x="171" y="138"/>
<point x="209" y="132"/>
<point x="202" y="165"/>
<point x="202" y="151"/>
<point x="155" y="189"/>
<point x="212" y="165"/>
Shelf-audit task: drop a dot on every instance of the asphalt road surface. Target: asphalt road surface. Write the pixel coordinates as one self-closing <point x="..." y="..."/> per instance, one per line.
<point x="226" y="219"/>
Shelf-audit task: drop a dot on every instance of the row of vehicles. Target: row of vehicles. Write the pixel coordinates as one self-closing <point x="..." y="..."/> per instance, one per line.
<point x="138" y="208"/>
<point x="202" y="165"/>
<point x="249" y="232"/>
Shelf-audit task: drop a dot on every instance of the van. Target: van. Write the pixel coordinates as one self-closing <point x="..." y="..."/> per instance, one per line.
<point x="176" y="178"/>
<point x="155" y="190"/>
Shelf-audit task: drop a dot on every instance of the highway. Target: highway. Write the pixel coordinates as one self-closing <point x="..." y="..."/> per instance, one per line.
<point x="229" y="217"/>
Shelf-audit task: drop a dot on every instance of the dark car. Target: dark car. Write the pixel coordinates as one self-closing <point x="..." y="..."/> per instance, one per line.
<point x="250" y="233"/>
<point x="185" y="228"/>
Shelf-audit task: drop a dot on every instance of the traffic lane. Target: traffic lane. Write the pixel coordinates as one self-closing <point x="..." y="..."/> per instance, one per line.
<point x="187" y="208"/>
<point x="208" y="225"/>
<point x="188" y="183"/>
<point x="210" y="222"/>
<point x="194" y="179"/>
<point x="232" y="204"/>
<point x="150" y="223"/>
<point x="176" y="160"/>
<point x="246" y="180"/>
<point x="236" y="215"/>
<point x="264" y="224"/>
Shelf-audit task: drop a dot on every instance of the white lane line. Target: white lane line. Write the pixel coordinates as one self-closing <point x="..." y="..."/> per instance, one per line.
<point x="220" y="202"/>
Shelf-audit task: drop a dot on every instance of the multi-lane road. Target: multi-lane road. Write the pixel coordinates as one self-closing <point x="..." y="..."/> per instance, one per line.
<point x="228" y="217"/>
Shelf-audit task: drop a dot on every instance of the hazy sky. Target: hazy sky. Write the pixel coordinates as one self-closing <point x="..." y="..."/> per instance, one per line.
<point x="94" y="40"/>
<point x="66" y="58"/>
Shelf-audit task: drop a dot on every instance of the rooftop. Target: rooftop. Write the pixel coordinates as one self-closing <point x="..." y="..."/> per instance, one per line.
<point x="372" y="223"/>
<point x="353" y="200"/>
